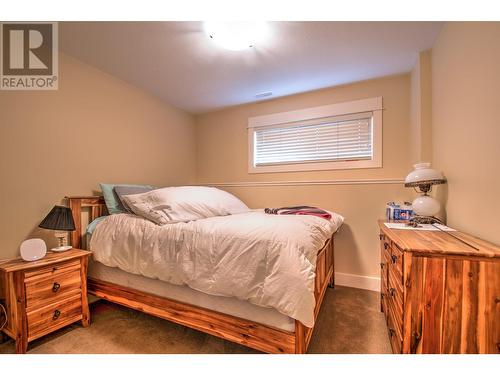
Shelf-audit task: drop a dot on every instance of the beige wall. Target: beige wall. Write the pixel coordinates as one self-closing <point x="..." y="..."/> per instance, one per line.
<point x="421" y="109"/>
<point x="466" y="124"/>
<point x="95" y="128"/>
<point x="222" y="158"/>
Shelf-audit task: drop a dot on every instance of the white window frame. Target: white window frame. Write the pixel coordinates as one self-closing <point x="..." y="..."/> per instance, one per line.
<point x="373" y="105"/>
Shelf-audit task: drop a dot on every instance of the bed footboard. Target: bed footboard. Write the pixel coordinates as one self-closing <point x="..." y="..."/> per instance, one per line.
<point x="325" y="276"/>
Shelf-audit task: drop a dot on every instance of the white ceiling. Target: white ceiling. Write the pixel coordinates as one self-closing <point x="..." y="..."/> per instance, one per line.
<point x="177" y="62"/>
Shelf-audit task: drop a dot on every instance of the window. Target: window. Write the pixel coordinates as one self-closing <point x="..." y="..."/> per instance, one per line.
<point x="338" y="136"/>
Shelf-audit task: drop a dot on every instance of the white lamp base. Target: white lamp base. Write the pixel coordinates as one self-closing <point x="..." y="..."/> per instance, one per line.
<point x="61" y="248"/>
<point x="425" y="206"/>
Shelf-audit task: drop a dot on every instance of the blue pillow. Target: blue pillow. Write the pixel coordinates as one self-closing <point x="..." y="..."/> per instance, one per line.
<point x="91" y="227"/>
<point x="112" y="200"/>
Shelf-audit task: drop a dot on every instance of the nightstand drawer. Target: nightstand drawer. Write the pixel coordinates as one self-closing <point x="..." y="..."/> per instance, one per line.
<point x="54" y="316"/>
<point x="47" y="272"/>
<point x="43" y="291"/>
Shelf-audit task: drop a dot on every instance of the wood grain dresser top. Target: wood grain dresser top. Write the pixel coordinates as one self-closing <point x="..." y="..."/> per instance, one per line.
<point x="440" y="243"/>
<point x="52" y="257"/>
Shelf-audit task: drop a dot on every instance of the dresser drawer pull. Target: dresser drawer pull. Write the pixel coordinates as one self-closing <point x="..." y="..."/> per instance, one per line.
<point x="394" y="258"/>
<point x="56" y="287"/>
<point x="56" y="315"/>
<point x="391" y="332"/>
<point x="381" y="236"/>
<point x="386" y="245"/>
<point x="381" y="264"/>
<point x="392" y="291"/>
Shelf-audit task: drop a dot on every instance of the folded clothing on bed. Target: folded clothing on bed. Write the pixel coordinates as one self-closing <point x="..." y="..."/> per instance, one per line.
<point x="299" y="210"/>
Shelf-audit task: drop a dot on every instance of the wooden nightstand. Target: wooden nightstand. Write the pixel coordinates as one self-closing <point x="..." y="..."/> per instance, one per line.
<point x="45" y="295"/>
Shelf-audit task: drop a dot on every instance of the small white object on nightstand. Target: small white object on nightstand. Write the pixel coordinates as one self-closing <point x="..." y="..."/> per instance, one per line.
<point x="33" y="249"/>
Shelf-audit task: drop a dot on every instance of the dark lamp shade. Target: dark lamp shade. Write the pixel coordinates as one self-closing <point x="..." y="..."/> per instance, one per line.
<point x="59" y="218"/>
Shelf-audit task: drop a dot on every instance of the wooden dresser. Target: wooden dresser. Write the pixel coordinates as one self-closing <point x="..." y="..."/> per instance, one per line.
<point x="44" y="295"/>
<point x="440" y="295"/>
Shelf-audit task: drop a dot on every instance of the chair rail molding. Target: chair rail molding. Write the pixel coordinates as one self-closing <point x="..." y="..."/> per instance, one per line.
<point x="305" y="182"/>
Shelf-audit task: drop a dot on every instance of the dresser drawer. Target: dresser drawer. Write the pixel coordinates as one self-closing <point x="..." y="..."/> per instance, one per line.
<point x="385" y="247"/>
<point x="384" y="300"/>
<point x="396" y="259"/>
<point x="395" y="296"/>
<point x="47" y="272"/>
<point x="394" y="320"/>
<point x="54" y="316"/>
<point x="43" y="291"/>
<point x="394" y="336"/>
<point x="384" y="281"/>
<point x="395" y="314"/>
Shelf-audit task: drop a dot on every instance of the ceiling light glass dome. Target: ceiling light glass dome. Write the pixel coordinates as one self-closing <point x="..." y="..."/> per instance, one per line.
<point x="236" y="35"/>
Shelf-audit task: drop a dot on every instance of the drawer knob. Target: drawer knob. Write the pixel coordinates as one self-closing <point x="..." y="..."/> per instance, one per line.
<point x="391" y="332"/>
<point x="56" y="287"/>
<point x="56" y="315"/>
<point x="386" y="245"/>
<point x="381" y="236"/>
<point x="392" y="290"/>
<point x="394" y="258"/>
<point x="381" y="264"/>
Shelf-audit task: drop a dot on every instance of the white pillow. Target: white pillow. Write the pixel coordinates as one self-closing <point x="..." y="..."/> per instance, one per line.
<point x="185" y="203"/>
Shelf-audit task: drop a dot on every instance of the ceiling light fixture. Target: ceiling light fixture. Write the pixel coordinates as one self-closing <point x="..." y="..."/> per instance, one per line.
<point x="236" y="35"/>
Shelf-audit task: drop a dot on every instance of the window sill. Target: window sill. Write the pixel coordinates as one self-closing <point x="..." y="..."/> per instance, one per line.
<point x="302" y="167"/>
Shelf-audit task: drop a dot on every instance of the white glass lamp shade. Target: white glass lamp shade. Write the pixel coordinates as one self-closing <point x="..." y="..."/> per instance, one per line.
<point x="424" y="174"/>
<point x="425" y="206"/>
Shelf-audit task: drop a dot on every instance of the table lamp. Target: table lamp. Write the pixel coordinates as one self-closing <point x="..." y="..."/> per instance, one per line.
<point x="421" y="179"/>
<point x="59" y="219"/>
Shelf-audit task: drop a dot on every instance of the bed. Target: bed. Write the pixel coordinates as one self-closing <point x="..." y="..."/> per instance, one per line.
<point x="138" y="284"/>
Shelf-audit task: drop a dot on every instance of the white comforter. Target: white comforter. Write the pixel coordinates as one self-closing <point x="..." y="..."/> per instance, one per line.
<point x="268" y="260"/>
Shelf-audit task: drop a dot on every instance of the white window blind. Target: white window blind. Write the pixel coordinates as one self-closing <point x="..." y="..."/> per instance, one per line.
<point x="339" y="138"/>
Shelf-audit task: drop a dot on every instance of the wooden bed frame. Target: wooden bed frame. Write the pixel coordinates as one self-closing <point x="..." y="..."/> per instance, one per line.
<point x="245" y="332"/>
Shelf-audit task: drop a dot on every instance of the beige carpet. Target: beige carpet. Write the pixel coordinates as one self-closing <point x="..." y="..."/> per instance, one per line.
<point x="350" y="321"/>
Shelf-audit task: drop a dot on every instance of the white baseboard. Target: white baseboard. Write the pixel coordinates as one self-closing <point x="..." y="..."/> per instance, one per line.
<point x="358" y="281"/>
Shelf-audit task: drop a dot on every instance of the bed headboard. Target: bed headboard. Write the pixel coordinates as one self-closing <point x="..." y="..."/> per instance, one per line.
<point x="94" y="205"/>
